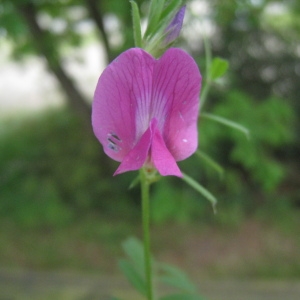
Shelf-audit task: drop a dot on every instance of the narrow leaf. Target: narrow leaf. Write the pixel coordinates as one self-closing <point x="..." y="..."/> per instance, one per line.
<point x="211" y="162"/>
<point x="134" y="182"/>
<point x="218" y="68"/>
<point x="166" y="16"/>
<point x="171" y="9"/>
<point x="177" y="278"/>
<point x="136" y="20"/>
<point x="156" y="7"/>
<point x="227" y="122"/>
<point x="135" y="252"/>
<point x="133" y="277"/>
<point x="202" y="190"/>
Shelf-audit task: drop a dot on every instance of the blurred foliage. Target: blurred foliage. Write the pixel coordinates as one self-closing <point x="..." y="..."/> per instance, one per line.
<point x="64" y="24"/>
<point x="269" y="123"/>
<point x="52" y="171"/>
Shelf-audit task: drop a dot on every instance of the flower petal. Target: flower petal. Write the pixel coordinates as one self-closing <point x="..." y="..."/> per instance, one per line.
<point x="136" y="158"/>
<point x="161" y="157"/>
<point x="122" y="96"/>
<point x="176" y="88"/>
<point x="134" y="89"/>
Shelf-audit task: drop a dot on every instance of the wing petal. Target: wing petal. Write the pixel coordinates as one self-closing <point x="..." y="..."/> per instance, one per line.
<point x="161" y="157"/>
<point x="121" y="97"/>
<point x="176" y="88"/>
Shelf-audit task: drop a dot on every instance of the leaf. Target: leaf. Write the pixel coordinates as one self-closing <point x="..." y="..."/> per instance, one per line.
<point x="171" y="9"/>
<point x="135" y="252"/>
<point x="175" y="277"/>
<point x="134" y="182"/>
<point x="227" y="122"/>
<point x="136" y="20"/>
<point x="218" y="68"/>
<point x="211" y="162"/>
<point x="202" y="190"/>
<point x="133" y="276"/>
<point x="182" y="297"/>
<point x="156" y="7"/>
<point x="133" y="267"/>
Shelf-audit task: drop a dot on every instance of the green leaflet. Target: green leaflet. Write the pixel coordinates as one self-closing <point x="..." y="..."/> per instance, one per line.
<point x="133" y="267"/>
<point x="134" y="182"/>
<point x="156" y="7"/>
<point x="211" y="162"/>
<point x="136" y="20"/>
<point x="168" y="13"/>
<point x="202" y="190"/>
<point x="218" y="68"/>
<point x="134" y="250"/>
<point x="133" y="276"/>
<point x="175" y="277"/>
<point x="227" y="122"/>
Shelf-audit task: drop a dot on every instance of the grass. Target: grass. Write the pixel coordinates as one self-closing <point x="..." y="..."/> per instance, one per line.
<point x="88" y="244"/>
<point x="254" y="250"/>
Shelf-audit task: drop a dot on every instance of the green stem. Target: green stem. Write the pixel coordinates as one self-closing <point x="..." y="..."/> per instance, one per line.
<point x="145" y="184"/>
<point x="207" y="85"/>
<point x="204" y="93"/>
<point x="207" y="56"/>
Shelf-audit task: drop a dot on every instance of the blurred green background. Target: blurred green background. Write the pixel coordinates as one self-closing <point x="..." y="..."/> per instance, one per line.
<point x="60" y="207"/>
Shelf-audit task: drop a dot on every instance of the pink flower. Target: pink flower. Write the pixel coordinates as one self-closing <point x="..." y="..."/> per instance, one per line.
<point x="145" y="110"/>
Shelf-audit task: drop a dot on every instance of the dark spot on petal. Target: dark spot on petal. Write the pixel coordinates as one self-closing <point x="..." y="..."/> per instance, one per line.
<point x="113" y="147"/>
<point x="115" y="136"/>
<point x="113" y="141"/>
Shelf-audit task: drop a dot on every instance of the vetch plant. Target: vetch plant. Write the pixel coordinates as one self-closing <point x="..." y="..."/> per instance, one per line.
<point x="145" y="114"/>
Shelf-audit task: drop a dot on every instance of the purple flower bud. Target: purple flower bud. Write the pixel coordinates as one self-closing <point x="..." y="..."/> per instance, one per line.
<point x="173" y="30"/>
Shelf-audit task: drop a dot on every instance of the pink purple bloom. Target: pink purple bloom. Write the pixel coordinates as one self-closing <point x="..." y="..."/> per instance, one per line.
<point x="145" y="110"/>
